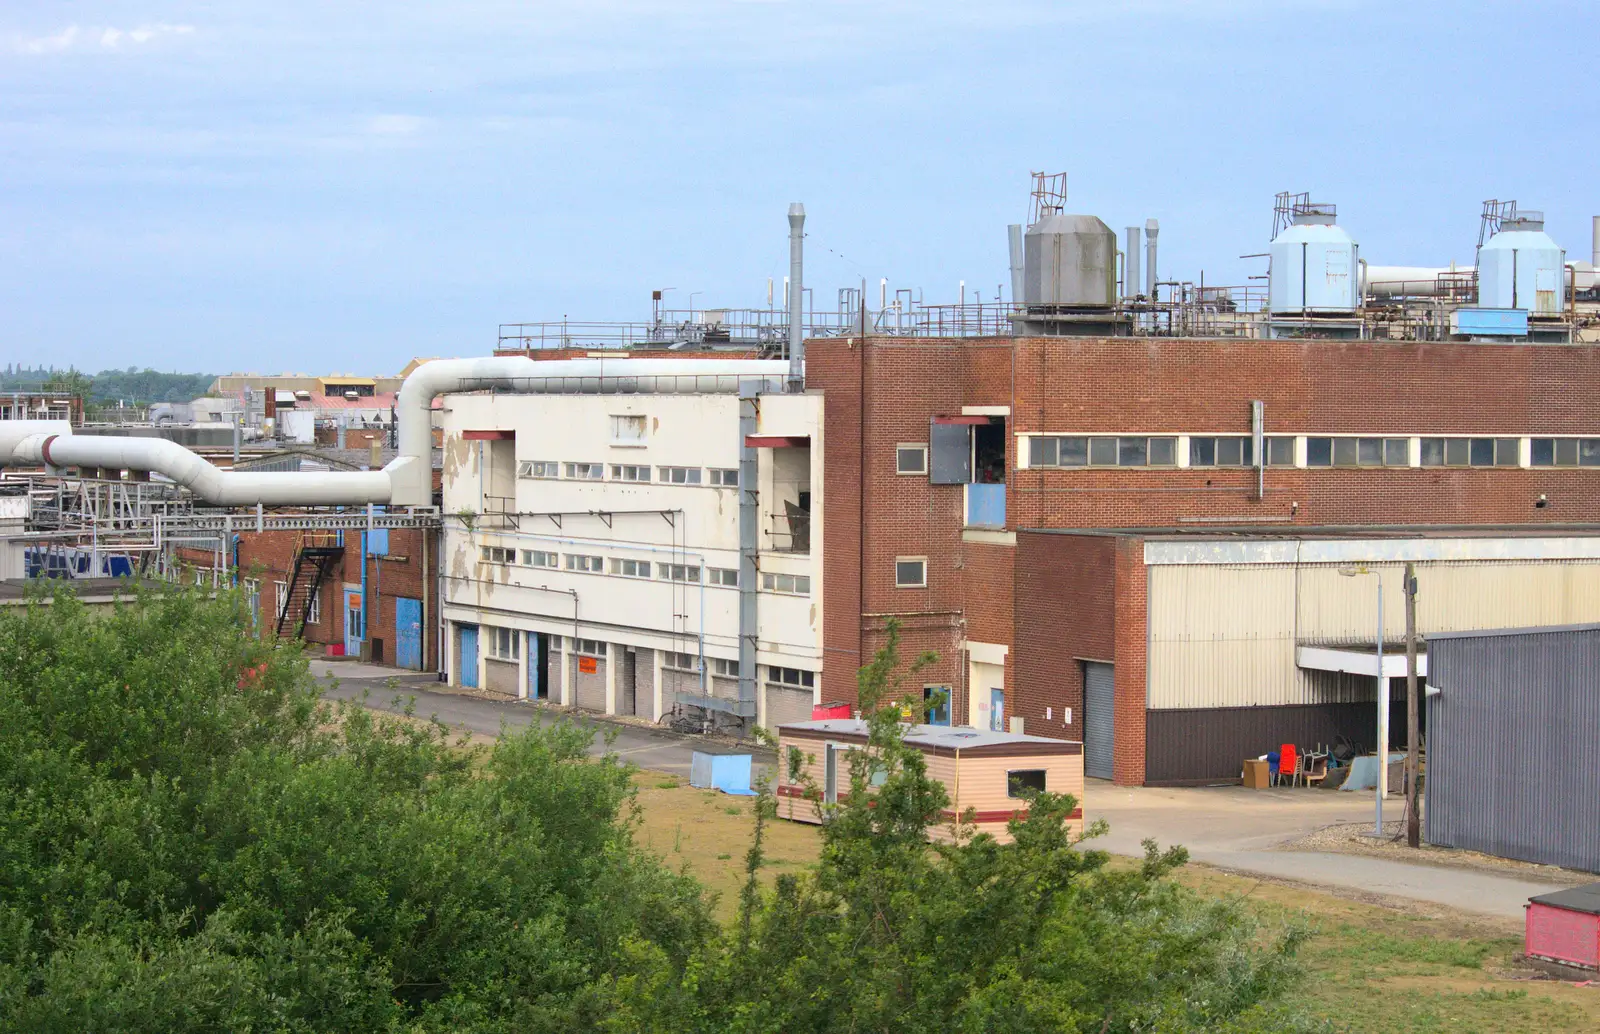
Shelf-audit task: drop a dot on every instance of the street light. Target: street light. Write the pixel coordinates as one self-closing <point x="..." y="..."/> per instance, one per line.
<point x="1382" y="781"/>
<point x="691" y="304"/>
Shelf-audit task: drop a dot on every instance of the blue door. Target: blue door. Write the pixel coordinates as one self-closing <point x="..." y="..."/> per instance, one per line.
<point x="468" y="676"/>
<point x="355" y="622"/>
<point x="997" y="710"/>
<point x="408" y="633"/>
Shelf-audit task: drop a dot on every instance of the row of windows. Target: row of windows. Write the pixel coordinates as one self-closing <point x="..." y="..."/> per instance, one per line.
<point x="505" y="644"/>
<point x="1068" y="451"/>
<point x="627" y="567"/>
<point x="636" y="473"/>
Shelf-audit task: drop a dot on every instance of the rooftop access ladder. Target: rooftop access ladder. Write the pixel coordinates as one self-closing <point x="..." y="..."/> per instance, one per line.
<point x="316" y="556"/>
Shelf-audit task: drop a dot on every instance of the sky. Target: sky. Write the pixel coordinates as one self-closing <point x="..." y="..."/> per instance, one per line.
<point x="288" y="185"/>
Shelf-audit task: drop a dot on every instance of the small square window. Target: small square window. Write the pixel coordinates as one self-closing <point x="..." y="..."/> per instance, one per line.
<point x="911" y="459"/>
<point x="1319" y="452"/>
<point x="1280" y="451"/>
<point x="1163" y="452"/>
<point x="724" y="668"/>
<point x="1456" y="452"/>
<point x="1482" y="452"/>
<point x="1346" y="452"/>
<point x="1042" y="452"/>
<point x="1505" y="452"/>
<point x="1589" y="452"/>
<point x="1025" y="783"/>
<point x="1072" y="452"/>
<point x="724" y="576"/>
<point x="627" y="429"/>
<point x="1566" y="450"/>
<point x="1132" y="452"/>
<point x="1397" y="452"/>
<point x="1432" y="453"/>
<point x="1202" y="452"/>
<point x="1103" y="452"/>
<point x="1232" y="452"/>
<point x="910" y="573"/>
<point x="1369" y="452"/>
<point x="724" y="478"/>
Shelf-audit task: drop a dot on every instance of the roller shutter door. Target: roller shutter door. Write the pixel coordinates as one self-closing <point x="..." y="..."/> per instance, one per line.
<point x="1099" y="703"/>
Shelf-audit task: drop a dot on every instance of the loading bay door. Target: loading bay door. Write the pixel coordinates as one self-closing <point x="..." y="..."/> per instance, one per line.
<point x="1099" y="701"/>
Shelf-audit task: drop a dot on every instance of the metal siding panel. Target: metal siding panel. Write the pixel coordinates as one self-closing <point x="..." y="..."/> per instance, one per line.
<point x="1099" y="711"/>
<point x="1512" y="764"/>
<point x="1209" y="746"/>
<point x="949" y="454"/>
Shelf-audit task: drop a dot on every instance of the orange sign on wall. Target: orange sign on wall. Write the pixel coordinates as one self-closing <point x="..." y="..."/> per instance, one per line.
<point x="588" y="665"/>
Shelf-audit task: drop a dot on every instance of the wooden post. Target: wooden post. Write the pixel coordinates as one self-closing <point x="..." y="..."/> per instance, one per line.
<point x="1413" y="819"/>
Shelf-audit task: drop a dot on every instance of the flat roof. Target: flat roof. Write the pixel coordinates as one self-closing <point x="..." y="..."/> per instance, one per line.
<point x="946" y="736"/>
<point x="1574" y="899"/>
<point x="1358" y="660"/>
<point x="1479" y="633"/>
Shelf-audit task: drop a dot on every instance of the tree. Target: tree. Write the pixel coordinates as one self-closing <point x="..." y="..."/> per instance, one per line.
<point x="70" y="381"/>
<point x="893" y="933"/>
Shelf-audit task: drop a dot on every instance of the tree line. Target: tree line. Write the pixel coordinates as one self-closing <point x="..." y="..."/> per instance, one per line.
<point x="132" y="386"/>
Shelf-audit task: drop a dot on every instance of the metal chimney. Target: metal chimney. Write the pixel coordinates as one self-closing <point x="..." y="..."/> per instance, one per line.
<point x="797" y="340"/>
<point x="1014" y="233"/>
<point x="1151" y="228"/>
<point x="1595" y="258"/>
<point x="1130" y="263"/>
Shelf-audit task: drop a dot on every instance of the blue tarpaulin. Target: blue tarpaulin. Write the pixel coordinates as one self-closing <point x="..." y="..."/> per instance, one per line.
<point x="729" y="773"/>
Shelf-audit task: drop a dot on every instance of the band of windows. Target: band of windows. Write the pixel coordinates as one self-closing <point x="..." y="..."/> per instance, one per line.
<point x="1309" y="451"/>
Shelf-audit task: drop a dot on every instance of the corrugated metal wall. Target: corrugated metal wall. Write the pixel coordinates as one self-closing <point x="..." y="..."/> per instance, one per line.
<point x="1224" y="635"/>
<point x="1210" y="745"/>
<point x="1514" y="752"/>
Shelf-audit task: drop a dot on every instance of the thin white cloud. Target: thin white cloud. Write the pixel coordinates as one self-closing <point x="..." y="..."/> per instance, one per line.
<point x="99" y="38"/>
<point x="395" y="125"/>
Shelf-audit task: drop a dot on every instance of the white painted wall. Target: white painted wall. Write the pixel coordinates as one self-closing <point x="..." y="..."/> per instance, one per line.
<point x="671" y="523"/>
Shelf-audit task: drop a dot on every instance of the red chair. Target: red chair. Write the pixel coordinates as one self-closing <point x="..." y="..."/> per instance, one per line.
<point x="1288" y="763"/>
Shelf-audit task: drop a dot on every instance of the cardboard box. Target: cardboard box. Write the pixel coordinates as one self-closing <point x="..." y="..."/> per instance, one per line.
<point x="1256" y="774"/>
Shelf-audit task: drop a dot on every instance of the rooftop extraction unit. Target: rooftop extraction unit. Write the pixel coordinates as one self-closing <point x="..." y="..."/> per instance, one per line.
<point x="1315" y="267"/>
<point x="1069" y="267"/>
<point x="1520" y="267"/>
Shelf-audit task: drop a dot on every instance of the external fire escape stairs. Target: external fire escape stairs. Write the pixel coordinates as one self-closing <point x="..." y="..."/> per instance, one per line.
<point x="316" y="557"/>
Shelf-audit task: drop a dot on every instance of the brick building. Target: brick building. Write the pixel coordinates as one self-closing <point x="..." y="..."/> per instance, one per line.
<point x="1070" y="521"/>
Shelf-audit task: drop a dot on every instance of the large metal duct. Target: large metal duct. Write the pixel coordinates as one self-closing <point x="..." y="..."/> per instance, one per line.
<point x="1014" y="240"/>
<point x="1130" y="263"/>
<point x="1151" y="230"/>
<point x="408" y="479"/>
<point x="797" y="335"/>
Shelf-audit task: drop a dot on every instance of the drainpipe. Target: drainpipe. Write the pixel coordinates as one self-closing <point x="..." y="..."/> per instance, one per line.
<point x="749" y="523"/>
<point x="797" y="342"/>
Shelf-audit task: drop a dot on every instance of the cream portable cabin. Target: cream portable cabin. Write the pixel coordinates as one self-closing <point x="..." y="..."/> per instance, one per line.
<point x="990" y="773"/>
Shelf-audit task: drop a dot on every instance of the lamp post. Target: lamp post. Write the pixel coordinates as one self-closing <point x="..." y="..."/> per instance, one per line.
<point x="1382" y="782"/>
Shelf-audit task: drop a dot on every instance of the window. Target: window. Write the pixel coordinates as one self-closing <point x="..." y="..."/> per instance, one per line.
<point x="911" y="459"/>
<point x="725" y="668"/>
<point x="678" y="572"/>
<point x="1319" y="452"/>
<point x="589" y="647"/>
<point x="629" y="472"/>
<point x="630" y="568"/>
<point x="679" y="661"/>
<point x="678" y="475"/>
<point x="1132" y="452"/>
<point x="1397" y="452"/>
<point x="1280" y="451"/>
<point x="252" y="598"/>
<point x="798" y="584"/>
<point x="627" y="429"/>
<point x="1470" y="452"/>
<point x="282" y="592"/>
<point x="936" y="705"/>
<point x="1346" y="452"/>
<point x="540" y="558"/>
<point x="1043" y="452"/>
<point x="538" y="469"/>
<point x="1025" y="783"/>
<point x="1565" y="452"/>
<point x="498" y="554"/>
<point x="586" y="471"/>
<point x="791" y="677"/>
<point x="1226" y="451"/>
<point x="910" y="572"/>
<point x="1102" y="452"/>
<point x="723" y="576"/>
<point x="580" y="562"/>
<point x="505" y="644"/>
<point x="721" y="478"/>
<point x="1163" y="452"/>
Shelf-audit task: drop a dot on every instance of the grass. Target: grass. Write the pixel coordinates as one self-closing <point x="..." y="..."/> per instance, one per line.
<point x="1369" y="968"/>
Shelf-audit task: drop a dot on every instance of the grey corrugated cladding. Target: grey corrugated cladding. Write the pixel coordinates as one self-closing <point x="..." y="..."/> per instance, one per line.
<point x="1514" y="744"/>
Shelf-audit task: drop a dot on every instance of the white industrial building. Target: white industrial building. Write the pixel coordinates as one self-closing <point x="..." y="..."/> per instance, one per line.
<point x="637" y="554"/>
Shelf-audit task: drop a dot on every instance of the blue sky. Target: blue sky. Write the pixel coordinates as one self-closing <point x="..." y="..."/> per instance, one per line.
<point x="332" y="187"/>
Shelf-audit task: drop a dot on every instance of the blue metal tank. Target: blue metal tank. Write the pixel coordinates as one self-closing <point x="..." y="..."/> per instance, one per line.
<point x="1315" y="265"/>
<point x="1522" y="268"/>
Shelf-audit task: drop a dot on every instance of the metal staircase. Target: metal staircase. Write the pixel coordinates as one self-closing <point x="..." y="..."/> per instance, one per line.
<point x="316" y="557"/>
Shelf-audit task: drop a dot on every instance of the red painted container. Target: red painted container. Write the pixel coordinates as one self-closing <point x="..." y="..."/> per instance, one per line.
<point x="1565" y="927"/>
<point x="335" y="650"/>
<point x="822" y="711"/>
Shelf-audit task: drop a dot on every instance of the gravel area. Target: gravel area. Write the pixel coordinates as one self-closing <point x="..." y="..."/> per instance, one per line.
<point x="1357" y="839"/>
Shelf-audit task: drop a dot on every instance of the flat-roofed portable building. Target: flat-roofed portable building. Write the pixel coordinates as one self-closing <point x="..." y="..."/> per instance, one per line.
<point x="991" y="773"/>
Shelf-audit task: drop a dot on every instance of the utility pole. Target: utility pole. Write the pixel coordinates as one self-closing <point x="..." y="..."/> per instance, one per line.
<point x="1413" y="819"/>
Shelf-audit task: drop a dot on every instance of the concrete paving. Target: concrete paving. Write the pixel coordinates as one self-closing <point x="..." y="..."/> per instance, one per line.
<point x="1237" y="829"/>
<point x="1228" y="827"/>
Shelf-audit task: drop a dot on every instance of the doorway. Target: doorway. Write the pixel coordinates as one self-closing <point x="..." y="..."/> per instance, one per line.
<point x="1099" y="712"/>
<point x="355" y="622"/>
<point x="468" y="675"/>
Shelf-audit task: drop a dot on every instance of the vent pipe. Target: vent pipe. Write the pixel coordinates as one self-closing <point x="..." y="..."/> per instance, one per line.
<point x="1594" y="259"/>
<point x="1151" y="228"/>
<point x="1130" y="263"/>
<point x="797" y="338"/>
<point x="1014" y="237"/>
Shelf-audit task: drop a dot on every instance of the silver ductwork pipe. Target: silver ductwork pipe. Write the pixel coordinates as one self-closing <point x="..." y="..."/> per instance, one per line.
<point x="1151" y="228"/>
<point x="408" y="479"/>
<point x="1014" y="239"/>
<point x="1130" y="263"/>
<point x="797" y="336"/>
<point x="1594" y="259"/>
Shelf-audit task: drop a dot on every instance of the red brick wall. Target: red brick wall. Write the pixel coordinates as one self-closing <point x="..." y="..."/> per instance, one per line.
<point x="1132" y="693"/>
<point x="1066" y="587"/>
